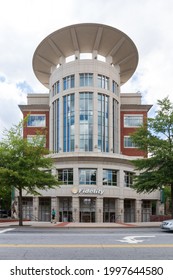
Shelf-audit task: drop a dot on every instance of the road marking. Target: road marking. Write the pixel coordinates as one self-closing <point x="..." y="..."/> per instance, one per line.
<point x="86" y="246"/>
<point x="132" y="239"/>
<point x="7" y="229"/>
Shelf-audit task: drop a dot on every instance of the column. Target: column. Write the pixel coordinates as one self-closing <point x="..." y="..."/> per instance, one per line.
<point x="35" y="208"/>
<point x="51" y="121"/>
<point x="159" y="208"/>
<point x="99" y="210"/>
<point x="57" y="209"/>
<point x="138" y="211"/>
<point x="119" y="210"/>
<point x="75" y="209"/>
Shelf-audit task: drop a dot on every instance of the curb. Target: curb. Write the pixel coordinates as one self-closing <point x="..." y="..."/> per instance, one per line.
<point x="69" y="225"/>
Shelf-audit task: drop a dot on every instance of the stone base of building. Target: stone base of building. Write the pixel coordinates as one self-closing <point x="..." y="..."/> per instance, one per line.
<point x="90" y="209"/>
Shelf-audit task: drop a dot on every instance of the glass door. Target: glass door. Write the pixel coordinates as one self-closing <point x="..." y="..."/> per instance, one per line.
<point x="87" y="210"/>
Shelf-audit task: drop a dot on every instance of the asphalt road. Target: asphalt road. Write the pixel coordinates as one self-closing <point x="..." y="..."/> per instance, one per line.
<point x="28" y="243"/>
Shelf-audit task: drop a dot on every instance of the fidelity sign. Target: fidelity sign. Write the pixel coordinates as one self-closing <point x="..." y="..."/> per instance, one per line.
<point x="75" y="190"/>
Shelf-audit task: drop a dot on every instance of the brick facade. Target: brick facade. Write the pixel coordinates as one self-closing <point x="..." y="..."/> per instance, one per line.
<point x="34" y="130"/>
<point x="125" y="131"/>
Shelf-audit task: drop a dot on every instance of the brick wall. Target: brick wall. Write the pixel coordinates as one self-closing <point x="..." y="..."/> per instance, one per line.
<point x="125" y="131"/>
<point x="34" y="130"/>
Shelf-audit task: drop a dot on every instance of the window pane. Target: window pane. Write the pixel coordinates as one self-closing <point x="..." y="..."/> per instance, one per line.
<point x="87" y="176"/>
<point x="86" y="121"/>
<point x="68" y="123"/>
<point x="37" y="139"/>
<point x="110" y="177"/>
<point x="103" y="123"/>
<point x="37" y="120"/>
<point x="56" y="88"/>
<point x="133" y="121"/>
<point x="86" y="79"/>
<point x="128" y="179"/>
<point x="103" y="82"/>
<point x="68" y="82"/>
<point x="128" y="142"/>
<point x="65" y="176"/>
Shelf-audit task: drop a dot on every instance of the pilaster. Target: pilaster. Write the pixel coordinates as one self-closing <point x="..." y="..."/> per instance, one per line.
<point x="75" y="209"/>
<point x="99" y="210"/>
<point x="119" y="210"/>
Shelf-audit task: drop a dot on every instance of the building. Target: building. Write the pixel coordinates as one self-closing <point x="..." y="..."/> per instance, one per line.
<point x="87" y="122"/>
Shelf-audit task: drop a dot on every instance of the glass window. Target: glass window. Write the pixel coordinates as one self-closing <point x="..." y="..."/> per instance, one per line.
<point x="115" y="127"/>
<point x="101" y="58"/>
<point x="133" y="120"/>
<point x="114" y="87"/>
<point x="86" y="79"/>
<point x="69" y="123"/>
<point x="86" y="121"/>
<point x="34" y="139"/>
<point x="128" y="179"/>
<point x="87" y="176"/>
<point x="109" y="177"/>
<point x="65" y="176"/>
<point x="44" y="209"/>
<point x="27" y="205"/>
<point x="103" y="82"/>
<point x="128" y="142"/>
<point x="85" y="55"/>
<point x="56" y="125"/>
<point x="68" y="82"/>
<point x="56" y="88"/>
<point x="36" y="120"/>
<point x="103" y="123"/>
<point x="70" y="58"/>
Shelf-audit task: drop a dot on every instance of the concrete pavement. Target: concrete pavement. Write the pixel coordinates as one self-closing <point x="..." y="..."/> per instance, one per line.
<point x="80" y="225"/>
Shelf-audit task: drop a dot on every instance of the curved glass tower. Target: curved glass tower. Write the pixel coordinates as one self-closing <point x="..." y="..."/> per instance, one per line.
<point x="88" y="122"/>
<point x="84" y="66"/>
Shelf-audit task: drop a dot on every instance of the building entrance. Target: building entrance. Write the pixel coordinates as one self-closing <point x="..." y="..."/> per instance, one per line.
<point x="146" y="210"/>
<point x="87" y="210"/>
<point x="87" y="217"/>
<point x="44" y="209"/>
<point x="129" y="211"/>
<point x="27" y="205"/>
<point x="65" y="209"/>
<point x="109" y="215"/>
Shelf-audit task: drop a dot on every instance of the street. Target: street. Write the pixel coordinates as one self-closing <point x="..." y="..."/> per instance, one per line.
<point x="26" y="243"/>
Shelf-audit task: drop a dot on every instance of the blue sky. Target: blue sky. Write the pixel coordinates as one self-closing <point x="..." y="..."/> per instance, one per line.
<point x="24" y="24"/>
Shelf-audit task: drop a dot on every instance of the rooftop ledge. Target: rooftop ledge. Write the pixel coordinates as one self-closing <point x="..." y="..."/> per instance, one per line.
<point x="97" y="39"/>
<point x="92" y="156"/>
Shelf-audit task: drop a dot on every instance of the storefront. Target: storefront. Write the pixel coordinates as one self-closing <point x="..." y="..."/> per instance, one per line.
<point x="109" y="214"/>
<point x="44" y="211"/>
<point x="89" y="209"/>
<point x="65" y="209"/>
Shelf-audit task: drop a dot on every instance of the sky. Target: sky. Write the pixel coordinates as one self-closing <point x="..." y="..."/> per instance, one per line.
<point x="24" y="24"/>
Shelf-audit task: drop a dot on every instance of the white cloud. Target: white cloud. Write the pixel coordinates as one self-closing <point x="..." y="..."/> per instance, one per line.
<point x="10" y="96"/>
<point x="24" y="24"/>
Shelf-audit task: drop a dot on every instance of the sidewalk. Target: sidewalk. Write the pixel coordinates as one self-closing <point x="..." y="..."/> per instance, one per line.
<point x="80" y="225"/>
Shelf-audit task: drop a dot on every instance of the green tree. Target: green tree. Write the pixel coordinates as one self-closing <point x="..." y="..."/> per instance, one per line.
<point x="5" y="198"/>
<point x="155" y="137"/>
<point x="24" y="166"/>
<point x="166" y="199"/>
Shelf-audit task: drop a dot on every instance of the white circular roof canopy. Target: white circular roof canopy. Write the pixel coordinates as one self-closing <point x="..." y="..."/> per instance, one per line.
<point x="85" y="38"/>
